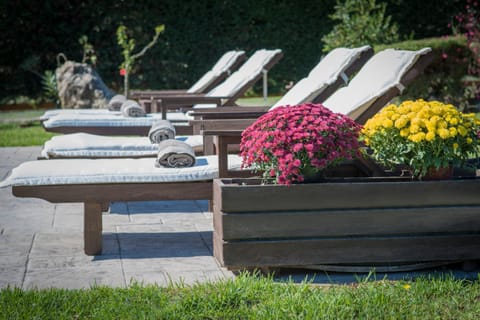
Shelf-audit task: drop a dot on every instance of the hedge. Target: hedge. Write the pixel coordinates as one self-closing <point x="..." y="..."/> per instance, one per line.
<point x="197" y="33"/>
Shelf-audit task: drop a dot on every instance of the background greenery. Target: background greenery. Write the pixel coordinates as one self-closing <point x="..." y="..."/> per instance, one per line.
<point x="196" y="34"/>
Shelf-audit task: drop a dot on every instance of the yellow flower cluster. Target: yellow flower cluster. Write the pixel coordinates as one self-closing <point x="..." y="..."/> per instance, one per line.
<point x="422" y="121"/>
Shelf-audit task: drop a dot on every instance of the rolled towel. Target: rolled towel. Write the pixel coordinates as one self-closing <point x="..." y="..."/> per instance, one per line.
<point x="175" y="154"/>
<point x="115" y="104"/>
<point x="161" y="130"/>
<point x="131" y="108"/>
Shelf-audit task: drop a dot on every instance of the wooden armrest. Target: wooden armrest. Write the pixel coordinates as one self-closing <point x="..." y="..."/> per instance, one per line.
<point x="135" y="94"/>
<point x="202" y="126"/>
<point x="229" y="112"/>
<point x="239" y="109"/>
<point x="169" y="102"/>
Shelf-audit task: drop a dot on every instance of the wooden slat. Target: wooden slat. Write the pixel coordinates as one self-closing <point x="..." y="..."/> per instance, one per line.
<point x="348" y="195"/>
<point x="334" y="223"/>
<point x="192" y="190"/>
<point x="392" y="250"/>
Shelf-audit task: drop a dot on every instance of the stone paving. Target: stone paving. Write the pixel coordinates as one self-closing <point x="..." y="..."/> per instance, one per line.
<point x="41" y="244"/>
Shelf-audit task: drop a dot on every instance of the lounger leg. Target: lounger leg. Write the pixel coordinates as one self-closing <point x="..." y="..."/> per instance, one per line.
<point x="92" y="232"/>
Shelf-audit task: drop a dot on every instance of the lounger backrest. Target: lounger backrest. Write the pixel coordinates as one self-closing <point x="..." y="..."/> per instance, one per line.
<point x="228" y="63"/>
<point x="335" y="66"/>
<point x="242" y="79"/>
<point x="378" y="76"/>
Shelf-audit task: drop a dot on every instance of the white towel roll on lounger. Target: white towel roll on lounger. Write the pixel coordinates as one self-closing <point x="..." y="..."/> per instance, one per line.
<point x="161" y="130"/>
<point x="131" y="108"/>
<point x="115" y="104"/>
<point x="175" y="154"/>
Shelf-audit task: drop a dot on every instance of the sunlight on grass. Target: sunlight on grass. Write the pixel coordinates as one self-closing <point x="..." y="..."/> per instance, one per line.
<point x="252" y="297"/>
<point x="13" y="135"/>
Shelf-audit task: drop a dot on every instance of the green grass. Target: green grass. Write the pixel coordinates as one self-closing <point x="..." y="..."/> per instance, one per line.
<point x="17" y="134"/>
<point x="258" y="101"/>
<point x="249" y="297"/>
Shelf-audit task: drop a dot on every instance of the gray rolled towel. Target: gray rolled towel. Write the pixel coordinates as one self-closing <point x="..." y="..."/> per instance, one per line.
<point x="131" y="108"/>
<point x="175" y="154"/>
<point x="115" y="104"/>
<point x="161" y="130"/>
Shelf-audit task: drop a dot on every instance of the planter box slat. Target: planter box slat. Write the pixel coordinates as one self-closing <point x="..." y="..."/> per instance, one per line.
<point x="348" y="251"/>
<point x="358" y="222"/>
<point x="300" y="224"/>
<point x="344" y="195"/>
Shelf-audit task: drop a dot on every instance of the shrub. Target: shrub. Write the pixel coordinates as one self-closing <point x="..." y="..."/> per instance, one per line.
<point x="361" y="22"/>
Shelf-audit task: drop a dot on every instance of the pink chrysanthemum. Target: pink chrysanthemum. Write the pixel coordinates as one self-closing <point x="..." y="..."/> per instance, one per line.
<point x="290" y="142"/>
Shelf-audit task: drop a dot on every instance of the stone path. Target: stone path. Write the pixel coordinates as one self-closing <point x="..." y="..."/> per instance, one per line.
<point x="41" y="244"/>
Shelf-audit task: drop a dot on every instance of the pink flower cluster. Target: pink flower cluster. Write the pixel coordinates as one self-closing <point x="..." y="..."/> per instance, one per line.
<point x="289" y="142"/>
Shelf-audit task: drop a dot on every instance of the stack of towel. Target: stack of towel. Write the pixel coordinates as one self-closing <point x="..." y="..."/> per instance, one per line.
<point x="175" y="154"/>
<point x="131" y="108"/>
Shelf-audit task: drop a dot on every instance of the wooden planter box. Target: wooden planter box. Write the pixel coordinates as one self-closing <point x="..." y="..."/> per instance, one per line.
<point x="360" y="221"/>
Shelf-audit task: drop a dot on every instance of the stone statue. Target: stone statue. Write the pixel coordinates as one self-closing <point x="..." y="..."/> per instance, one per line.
<point x="80" y="87"/>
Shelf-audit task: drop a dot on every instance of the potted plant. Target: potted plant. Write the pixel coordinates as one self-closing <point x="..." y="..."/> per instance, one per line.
<point x="347" y="221"/>
<point x="290" y="144"/>
<point x="425" y="136"/>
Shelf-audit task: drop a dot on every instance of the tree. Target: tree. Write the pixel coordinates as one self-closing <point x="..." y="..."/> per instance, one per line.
<point x="129" y="58"/>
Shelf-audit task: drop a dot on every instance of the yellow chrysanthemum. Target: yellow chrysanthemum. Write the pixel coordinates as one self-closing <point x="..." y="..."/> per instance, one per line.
<point x="387" y="123"/>
<point x="401" y="122"/>
<point x="443" y="133"/>
<point x="430" y="136"/>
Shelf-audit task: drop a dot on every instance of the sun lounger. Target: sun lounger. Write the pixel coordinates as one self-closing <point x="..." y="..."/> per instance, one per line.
<point x="96" y="182"/>
<point x="326" y="77"/>
<point x="100" y="181"/>
<point x="226" y="92"/>
<point x="227" y="64"/>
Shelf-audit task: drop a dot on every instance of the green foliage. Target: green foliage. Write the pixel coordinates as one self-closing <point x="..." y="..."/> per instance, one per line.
<point x="49" y="85"/>
<point x="128" y="45"/>
<point x="360" y="22"/>
<point x="197" y="34"/>
<point x="252" y="297"/>
<point x="89" y="55"/>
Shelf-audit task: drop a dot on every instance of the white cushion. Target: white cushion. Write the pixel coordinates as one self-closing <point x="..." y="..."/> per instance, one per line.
<point x="87" y="171"/>
<point x="86" y="145"/>
<point x="223" y="65"/>
<point x="105" y="120"/>
<point x="73" y="112"/>
<point x="382" y="72"/>
<point x="326" y="72"/>
<point x="248" y="71"/>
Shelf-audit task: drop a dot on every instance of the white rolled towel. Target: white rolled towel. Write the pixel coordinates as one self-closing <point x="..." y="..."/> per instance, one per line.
<point x="115" y="104"/>
<point x="175" y="154"/>
<point x="131" y="108"/>
<point x="161" y="130"/>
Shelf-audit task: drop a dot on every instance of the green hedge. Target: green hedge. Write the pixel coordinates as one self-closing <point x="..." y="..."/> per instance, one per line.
<point x="197" y="33"/>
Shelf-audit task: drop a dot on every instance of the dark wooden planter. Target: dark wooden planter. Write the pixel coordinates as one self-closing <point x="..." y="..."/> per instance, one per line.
<point x="364" y="221"/>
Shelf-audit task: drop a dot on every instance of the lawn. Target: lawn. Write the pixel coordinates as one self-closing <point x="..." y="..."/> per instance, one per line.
<point x="252" y="297"/>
